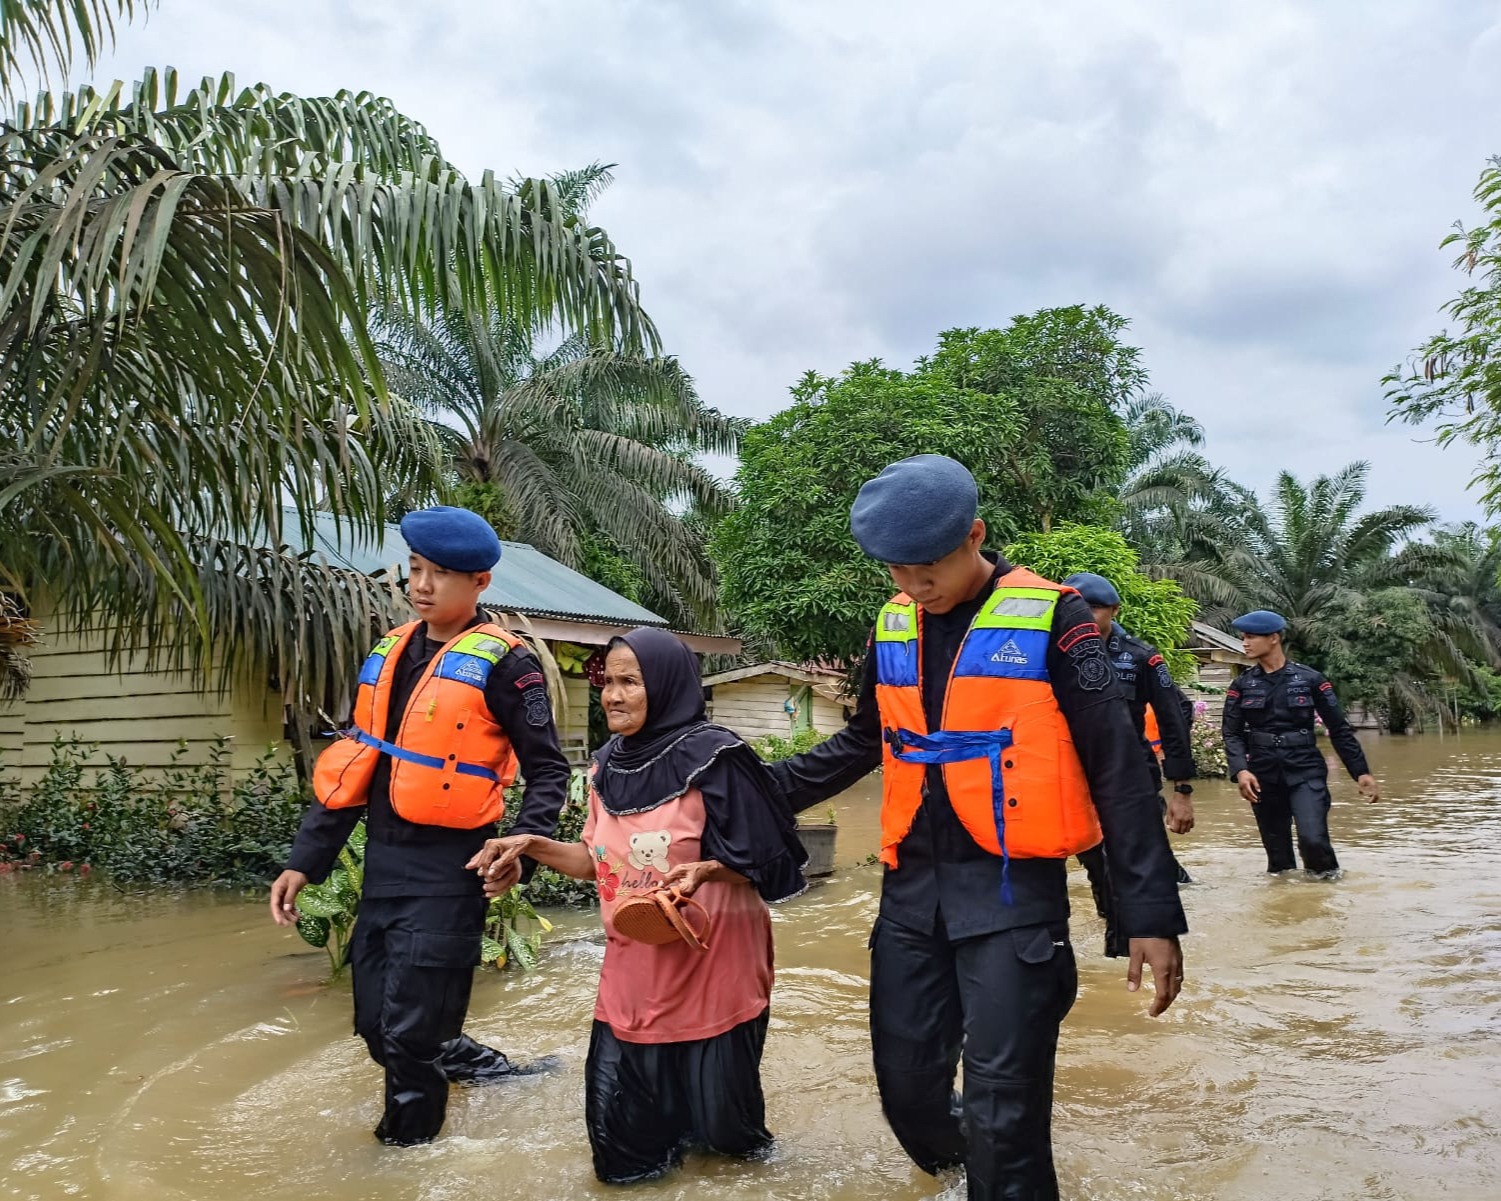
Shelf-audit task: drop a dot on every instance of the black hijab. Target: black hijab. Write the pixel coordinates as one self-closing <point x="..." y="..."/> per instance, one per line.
<point x="748" y="825"/>
<point x="662" y="760"/>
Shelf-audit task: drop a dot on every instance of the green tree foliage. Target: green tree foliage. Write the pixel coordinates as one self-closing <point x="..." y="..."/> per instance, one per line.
<point x="1454" y="379"/>
<point x="1154" y="610"/>
<point x="1030" y="410"/>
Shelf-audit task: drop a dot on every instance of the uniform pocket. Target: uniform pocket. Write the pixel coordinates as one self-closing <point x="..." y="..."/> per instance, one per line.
<point x="1034" y="944"/>
<point x="1253" y="700"/>
<point x="430" y="949"/>
<point x="1300" y="698"/>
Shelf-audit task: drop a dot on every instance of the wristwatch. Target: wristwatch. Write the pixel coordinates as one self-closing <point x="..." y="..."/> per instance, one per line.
<point x="1183" y="789"/>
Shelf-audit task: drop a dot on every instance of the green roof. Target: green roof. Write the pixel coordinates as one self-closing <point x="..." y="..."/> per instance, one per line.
<point x="526" y="581"/>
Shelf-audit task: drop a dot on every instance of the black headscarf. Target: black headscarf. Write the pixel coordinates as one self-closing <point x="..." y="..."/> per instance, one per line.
<point x="749" y="826"/>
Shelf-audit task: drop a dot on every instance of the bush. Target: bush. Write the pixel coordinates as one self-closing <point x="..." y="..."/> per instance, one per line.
<point x="182" y="824"/>
<point x="548" y="887"/>
<point x="772" y="747"/>
<point x="1208" y="748"/>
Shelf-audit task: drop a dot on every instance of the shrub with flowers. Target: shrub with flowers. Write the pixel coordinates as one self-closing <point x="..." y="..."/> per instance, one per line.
<point x="1208" y="745"/>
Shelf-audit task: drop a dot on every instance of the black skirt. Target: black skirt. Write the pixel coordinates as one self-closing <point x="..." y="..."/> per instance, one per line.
<point x="646" y="1103"/>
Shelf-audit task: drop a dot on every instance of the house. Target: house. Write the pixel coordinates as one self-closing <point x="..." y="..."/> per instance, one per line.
<point x="1219" y="659"/>
<point x="140" y="712"/>
<point x="778" y="698"/>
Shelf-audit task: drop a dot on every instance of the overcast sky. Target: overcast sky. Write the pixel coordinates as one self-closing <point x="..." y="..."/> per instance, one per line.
<point x="1260" y="188"/>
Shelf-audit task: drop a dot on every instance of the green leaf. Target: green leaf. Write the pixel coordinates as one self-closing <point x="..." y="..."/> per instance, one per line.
<point x="314" y="930"/>
<point x="491" y="951"/>
<point x="318" y="901"/>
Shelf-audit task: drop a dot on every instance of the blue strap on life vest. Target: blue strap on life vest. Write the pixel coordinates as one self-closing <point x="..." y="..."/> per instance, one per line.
<point x="961" y="746"/>
<point x="434" y="761"/>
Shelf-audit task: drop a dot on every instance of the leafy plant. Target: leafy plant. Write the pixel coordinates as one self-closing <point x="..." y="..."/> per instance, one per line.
<point x="772" y="747"/>
<point x="546" y="886"/>
<point x="183" y="824"/>
<point x="513" y="931"/>
<point x="329" y="909"/>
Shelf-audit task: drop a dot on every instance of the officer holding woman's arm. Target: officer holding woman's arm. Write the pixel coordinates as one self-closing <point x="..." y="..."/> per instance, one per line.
<point x="1006" y="748"/>
<point x="448" y="707"/>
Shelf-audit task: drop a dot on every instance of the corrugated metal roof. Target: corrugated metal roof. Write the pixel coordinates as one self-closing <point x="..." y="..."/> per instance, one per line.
<point x="526" y="580"/>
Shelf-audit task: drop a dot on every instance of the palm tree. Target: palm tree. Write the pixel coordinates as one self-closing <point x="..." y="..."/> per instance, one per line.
<point x="1309" y="551"/>
<point x="184" y="345"/>
<point x="579" y="444"/>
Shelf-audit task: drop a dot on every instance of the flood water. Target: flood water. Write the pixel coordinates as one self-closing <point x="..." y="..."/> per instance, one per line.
<point x="1334" y="1040"/>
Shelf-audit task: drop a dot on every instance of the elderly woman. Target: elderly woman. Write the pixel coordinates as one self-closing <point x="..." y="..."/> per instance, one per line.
<point x="675" y="1055"/>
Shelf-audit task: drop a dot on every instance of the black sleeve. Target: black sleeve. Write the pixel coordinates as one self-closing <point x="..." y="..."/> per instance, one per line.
<point x="1341" y="733"/>
<point x="836" y="763"/>
<point x="516" y="694"/>
<point x="320" y="838"/>
<point x="1233" y="730"/>
<point x="1099" y="719"/>
<point x="1172" y="721"/>
<point x="748" y="828"/>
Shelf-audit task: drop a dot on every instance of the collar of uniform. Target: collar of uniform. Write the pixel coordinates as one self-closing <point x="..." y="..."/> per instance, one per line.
<point x="419" y="640"/>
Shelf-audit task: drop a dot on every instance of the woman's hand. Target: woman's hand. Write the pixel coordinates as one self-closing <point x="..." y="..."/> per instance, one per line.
<point x="686" y="877"/>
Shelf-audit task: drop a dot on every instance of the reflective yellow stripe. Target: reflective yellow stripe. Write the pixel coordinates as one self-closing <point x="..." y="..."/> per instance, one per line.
<point x="1018" y="609"/>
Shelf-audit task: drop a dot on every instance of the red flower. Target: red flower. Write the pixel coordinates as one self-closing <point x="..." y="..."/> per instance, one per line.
<point x="65" y="866"/>
<point x="85" y="870"/>
<point x="607" y="891"/>
<point x="20" y="838"/>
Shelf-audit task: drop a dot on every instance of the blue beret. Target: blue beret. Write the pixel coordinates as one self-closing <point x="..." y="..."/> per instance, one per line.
<point x="1095" y="589"/>
<point x="453" y="538"/>
<point x="916" y="511"/>
<point x="1260" y="621"/>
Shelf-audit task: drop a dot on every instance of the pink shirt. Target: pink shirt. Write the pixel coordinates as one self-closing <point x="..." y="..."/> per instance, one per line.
<point x="673" y="993"/>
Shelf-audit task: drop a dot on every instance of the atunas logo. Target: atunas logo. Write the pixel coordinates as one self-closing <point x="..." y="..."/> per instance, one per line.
<point x="1010" y="653"/>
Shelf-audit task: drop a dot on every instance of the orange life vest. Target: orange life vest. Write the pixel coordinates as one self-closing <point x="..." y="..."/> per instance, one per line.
<point x="1013" y="776"/>
<point x="1151" y="732"/>
<point x="451" y="761"/>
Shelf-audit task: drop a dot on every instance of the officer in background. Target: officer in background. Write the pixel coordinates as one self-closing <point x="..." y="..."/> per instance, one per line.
<point x="1145" y="682"/>
<point x="1273" y="751"/>
<point x="986" y="696"/>
<point x="447" y="708"/>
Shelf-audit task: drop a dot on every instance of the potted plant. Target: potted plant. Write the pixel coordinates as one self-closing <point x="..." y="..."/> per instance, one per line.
<point x="818" y="841"/>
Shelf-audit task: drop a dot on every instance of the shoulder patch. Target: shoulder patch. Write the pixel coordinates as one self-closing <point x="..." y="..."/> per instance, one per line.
<point x="1326" y="686"/>
<point x="1086" y="651"/>
<point x="531" y="677"/>
<point x="538" y="711"/>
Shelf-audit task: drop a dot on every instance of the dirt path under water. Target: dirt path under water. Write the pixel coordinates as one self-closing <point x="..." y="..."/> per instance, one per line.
<point x="1335" y="1040"/>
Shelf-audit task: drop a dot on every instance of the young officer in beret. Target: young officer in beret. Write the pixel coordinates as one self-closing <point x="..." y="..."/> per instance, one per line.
<point x="989" y="702"/>
<point x="1274" y="753"/>
<point x="448" y="707"/>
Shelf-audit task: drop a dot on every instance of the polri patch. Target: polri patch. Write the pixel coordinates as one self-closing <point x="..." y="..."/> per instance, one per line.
<point x="538" y="711"/>
<point x="531" y="677"/>
<point x="1088" y="657"/>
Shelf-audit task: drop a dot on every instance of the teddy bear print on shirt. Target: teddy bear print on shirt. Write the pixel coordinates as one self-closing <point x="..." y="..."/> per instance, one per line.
<point x="649" y="850"/>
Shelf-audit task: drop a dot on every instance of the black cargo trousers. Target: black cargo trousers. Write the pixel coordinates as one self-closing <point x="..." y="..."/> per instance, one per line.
<point x="413" y="961"/>
<point x="997" y="1000"/>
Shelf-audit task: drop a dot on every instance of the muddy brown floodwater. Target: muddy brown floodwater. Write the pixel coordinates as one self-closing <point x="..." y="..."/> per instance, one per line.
<point x="1334" y="1040"/>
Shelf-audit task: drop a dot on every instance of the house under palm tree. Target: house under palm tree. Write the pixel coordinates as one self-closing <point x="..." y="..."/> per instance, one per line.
<point x="141" y="709"/>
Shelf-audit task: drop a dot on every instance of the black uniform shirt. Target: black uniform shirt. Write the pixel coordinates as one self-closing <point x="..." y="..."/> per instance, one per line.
<point x="405" y="858"/>
<point x="945" y="883"/>
<point x="1145" y="680"/>
<point x="1281" y="702"/>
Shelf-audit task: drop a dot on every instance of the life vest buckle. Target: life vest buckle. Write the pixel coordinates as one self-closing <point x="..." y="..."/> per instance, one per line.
<point x="894" y="740"/>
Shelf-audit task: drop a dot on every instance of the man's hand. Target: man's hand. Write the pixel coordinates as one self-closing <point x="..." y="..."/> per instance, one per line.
<point x="284" y="892"/>
<point x="1250" y="786"/>
<point x="1369" y="788"/>
<point x="687" y="877"/>
<point x="1180" y="813"/>
<point x="1165" y="958"/>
